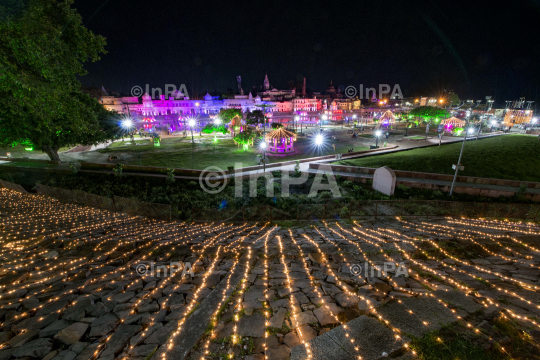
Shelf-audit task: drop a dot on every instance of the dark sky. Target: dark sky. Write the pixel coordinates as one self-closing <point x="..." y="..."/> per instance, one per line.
<point x="474" y="47"/>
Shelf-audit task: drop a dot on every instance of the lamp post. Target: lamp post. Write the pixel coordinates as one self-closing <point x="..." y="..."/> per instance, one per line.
<point x="378" y="133"/>
<point x="295" y="121"/>
<point x="191" y="124"/>
<point x="127" y="123"/>
<point x="263" y="146"/>
<point x="470" y="130"/>
<point x="319" y="140"/>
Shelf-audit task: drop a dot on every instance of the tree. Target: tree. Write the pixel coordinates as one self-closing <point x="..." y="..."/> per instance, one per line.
<point x="226" y="115"/>
<point x="245" y="138"/>
<point x="212" y="128"/>
<point x="255" y="117"/>
<point x="43" y="46"/>
<point x="429" y="113"/>
<point x="453" y="99"/>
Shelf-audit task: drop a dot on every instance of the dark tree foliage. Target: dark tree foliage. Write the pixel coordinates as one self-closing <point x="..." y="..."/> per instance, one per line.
<point x="428" y="113"/>
<point x="226" y="115"/>
<point x="43" y="46"/>
<point x="255" y="117"/>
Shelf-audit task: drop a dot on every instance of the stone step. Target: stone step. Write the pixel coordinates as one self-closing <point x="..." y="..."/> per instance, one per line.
<point x="373" y="339"/>
<point x="376" y="341"/>
<point x="195" y="326"/>
<point x="428" y="313"/>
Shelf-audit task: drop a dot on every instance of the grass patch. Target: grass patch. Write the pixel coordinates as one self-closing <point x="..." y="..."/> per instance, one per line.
<point x="450" y="344"/>
<point x="180" y="152"/>
<point x="513" y="157"/>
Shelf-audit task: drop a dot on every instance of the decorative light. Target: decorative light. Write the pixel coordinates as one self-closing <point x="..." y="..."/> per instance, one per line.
<point x="127" y="123"/>
<point x="192" y="122"/>
<point x="319" y="139"/>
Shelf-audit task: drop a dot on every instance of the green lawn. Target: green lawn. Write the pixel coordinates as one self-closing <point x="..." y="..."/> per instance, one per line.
<point x="20" y="151"/>
<point x="179" y="152"/>
<point x="514" y="157"/>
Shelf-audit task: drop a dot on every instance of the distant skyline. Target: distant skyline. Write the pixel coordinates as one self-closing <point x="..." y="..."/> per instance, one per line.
<point x="474" y="48"/>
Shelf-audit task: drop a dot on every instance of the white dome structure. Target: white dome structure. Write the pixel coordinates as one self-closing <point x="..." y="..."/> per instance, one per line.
<point x="147" y="101"/>
<point x="208" y="97"/>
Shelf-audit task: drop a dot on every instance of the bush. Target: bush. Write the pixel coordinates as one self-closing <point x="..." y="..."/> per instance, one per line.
<point x="211" y="128"/>
<point x="297" y="166"/>
<point x="325" y="195"/>
<point x="118" y="170"/>
<point x="170" y="175"/>
<point x="344" y="213"/>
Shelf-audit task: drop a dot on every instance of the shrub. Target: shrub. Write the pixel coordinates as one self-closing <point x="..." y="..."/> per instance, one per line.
<point x="344" y="213"/>
<point x="297" y="166"/>
<point x="170" y="175"/>
<point x="118" y="170"/>
<point x="325" y="195"/>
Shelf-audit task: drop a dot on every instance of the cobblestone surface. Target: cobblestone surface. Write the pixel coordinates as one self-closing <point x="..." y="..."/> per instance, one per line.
<point x="81" y="283"/>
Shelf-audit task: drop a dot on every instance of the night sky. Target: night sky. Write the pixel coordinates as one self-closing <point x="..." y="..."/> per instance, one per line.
<point x="475" y="48"/>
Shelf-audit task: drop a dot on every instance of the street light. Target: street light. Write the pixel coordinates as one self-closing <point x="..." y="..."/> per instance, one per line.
<point x="126" y="124"/>
<point x="191" y="124"/>
<point x="217" y="121"/>
<point x="263" y="145"/>
<point x="319" y="141"/>
<point x="469" y="131"/>
<point x="378" y="133"/>
<point x="493" y="123"/>
<point x="296" y="119"/>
